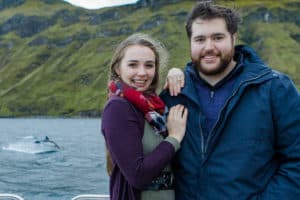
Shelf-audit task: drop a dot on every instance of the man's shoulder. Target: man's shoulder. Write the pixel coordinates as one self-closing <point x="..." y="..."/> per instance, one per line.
<point x="279" y="75"/>
<point x="281" y="78"/>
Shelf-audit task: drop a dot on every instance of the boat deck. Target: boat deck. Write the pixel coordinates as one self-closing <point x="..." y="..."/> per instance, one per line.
<point x="78" y="197"/>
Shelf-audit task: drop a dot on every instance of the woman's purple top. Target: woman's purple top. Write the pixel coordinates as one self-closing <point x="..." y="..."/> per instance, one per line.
<point x="123" y="128"/>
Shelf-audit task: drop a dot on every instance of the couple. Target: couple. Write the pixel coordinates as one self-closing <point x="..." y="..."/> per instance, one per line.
<point x="233" y="132"/>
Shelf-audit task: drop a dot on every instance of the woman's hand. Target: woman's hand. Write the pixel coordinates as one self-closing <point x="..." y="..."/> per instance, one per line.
<point x="176" y="123"/>
<point x="174" y="81"/>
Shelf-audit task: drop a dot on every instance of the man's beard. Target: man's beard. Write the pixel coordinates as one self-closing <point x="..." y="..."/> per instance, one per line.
<point x="220" y="68"/>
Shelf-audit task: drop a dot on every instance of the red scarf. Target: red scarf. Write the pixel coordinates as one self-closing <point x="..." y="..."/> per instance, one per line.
<point x="149" y="104"/>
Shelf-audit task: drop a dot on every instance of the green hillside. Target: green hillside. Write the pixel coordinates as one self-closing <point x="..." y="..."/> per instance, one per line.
<point x="54" y="57"/>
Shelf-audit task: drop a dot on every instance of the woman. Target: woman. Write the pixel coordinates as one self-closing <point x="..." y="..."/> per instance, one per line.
<point x="134" y="127"/>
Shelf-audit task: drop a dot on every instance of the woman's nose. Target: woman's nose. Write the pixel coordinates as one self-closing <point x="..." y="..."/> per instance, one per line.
<point x="141" y="70"/>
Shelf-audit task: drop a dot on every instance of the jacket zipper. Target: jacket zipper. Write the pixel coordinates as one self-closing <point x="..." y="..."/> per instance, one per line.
<point x="212" y="94"/>
<point x="202" y="139"/>
<point x="213" y="129"/>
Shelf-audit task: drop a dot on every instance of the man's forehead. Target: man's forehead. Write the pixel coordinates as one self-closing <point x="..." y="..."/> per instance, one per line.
<point x="209" y="21"/>
<point x="210" y="25"/>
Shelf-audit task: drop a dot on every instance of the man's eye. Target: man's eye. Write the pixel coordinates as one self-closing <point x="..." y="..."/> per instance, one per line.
<point x="199" y="40"/>
<point x="218" y="38"/>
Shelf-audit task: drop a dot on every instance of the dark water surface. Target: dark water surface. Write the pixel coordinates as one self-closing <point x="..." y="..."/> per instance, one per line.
<point x="77" y="168"/>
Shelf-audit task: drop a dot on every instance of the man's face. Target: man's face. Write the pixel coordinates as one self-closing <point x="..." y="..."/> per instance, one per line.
<point x="212" y="47"/>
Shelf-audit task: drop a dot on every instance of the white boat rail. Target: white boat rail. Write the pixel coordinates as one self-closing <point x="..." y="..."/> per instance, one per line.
<point x="91" y="197"/>
<point x="10" y="196"/>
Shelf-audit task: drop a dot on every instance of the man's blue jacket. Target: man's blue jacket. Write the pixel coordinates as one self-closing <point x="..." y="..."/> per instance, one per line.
<point x="253" y="150"/>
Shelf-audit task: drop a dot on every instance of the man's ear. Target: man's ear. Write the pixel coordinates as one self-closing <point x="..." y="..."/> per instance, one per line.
<point x="234" y="38"/>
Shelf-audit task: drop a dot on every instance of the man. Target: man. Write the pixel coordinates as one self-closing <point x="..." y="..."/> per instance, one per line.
<point x="243" y="133"/>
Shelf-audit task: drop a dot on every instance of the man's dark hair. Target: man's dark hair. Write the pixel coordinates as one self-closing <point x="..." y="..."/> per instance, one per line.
<point x="206" y="11"/>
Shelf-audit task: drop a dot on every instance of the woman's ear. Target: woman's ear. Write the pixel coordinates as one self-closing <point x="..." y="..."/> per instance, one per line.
<point x="117" y="70"/>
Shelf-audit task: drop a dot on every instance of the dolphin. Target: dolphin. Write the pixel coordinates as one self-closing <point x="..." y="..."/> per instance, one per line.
<point x="33" y="145"/>
<point x="45" y="140"/>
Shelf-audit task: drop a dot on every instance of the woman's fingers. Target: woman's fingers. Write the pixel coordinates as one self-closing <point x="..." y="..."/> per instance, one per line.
<point x="177" y="121"/>
<point x="175" y="81"/>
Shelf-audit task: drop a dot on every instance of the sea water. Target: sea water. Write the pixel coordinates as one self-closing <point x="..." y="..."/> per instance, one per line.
<point x="78" y="167"/>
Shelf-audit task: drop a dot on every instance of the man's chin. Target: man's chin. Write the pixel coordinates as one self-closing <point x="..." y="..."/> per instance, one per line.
<point x="209" y="67"/>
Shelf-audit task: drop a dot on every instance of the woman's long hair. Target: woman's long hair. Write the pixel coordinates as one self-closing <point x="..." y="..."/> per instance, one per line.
<point x="161" y="57"/>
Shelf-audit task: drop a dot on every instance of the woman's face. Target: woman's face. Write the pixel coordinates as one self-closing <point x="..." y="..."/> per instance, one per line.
<point x="137" y="68"/>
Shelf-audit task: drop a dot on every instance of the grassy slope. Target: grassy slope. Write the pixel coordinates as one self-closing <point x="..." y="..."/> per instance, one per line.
<point x="51" y="80"/>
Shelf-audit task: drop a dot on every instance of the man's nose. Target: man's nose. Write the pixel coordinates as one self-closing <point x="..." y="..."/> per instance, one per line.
<point x="208" y="44"/>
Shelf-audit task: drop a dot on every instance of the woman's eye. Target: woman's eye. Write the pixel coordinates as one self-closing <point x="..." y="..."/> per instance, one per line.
<point x="150" y="66"/>
<point x="132" y="64"/>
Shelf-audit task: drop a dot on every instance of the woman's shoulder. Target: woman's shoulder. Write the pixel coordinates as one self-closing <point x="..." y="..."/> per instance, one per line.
<point x="120" y="111"/>
<point x="120" y="106"/>
<point x="117" y="102"/>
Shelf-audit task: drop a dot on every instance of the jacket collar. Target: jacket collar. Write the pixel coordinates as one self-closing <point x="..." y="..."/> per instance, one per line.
<point x="250" y="69"/>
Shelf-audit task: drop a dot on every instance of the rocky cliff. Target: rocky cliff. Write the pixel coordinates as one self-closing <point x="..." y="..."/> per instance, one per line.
<point x="54" y="57"/>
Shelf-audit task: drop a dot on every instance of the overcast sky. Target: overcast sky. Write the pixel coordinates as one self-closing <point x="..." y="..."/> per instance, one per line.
<point x="95" y="4"/>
